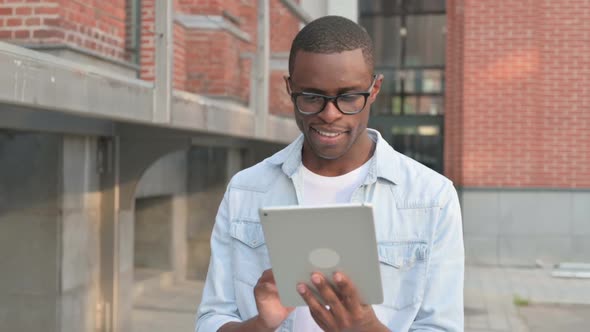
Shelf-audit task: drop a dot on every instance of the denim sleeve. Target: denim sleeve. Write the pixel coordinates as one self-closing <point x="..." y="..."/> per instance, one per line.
<point x="442" y="306"/>
<point x="218" y="305"/>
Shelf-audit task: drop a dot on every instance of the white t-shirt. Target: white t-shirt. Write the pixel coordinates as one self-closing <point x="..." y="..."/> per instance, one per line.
<point x="319" y="190"/>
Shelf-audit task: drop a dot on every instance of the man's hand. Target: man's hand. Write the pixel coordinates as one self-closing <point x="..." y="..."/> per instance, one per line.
<point x="346" y="312"/>
<point x="271" y="313"/>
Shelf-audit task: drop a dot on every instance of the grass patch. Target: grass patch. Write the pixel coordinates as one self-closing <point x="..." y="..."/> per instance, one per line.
<point x="520" y="302"/>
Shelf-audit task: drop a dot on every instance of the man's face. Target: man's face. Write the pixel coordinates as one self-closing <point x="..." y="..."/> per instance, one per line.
<point x="330" y="134"/>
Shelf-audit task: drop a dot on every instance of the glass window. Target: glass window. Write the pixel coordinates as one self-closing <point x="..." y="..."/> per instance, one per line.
<point x="425" y="44"/>
<point x="400" y="7"/>
<point x="386" y="38"/>
<point x="430" y="105"/>
<point x="424" y="6"/>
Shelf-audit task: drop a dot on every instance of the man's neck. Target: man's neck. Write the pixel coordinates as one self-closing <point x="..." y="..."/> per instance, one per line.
<point x="353" y="159"/>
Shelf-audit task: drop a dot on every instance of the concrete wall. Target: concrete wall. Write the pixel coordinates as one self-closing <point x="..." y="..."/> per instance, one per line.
<point x="153" y="232"/>
<point x="518" y="227"/>
<point x="29" y="231"/>
<point x="49" y="219"/>
<point x="89" y="58"/>
<point x="207" y="180"/>
<point x="80" y="226"/>
<point x="167" y="176"/>
<point x="318" y="8"/>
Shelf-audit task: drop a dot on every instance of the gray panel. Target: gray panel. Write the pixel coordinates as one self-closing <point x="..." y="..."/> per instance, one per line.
<point x="126" y="240"/>
<point x="547" y="224"/>
<point x="581" y="245"/>
<point x="167" y="176"/>
<point x="535" y="213"/>
<point x="153" y="233"/>
<point x="76" y="171"/>
<point x="480" y="213"/>
<point x="29" y="166"/>
<point x="481" y="249"/>
<point x="28" y="253"/>
<point x="77" y="310"/>
<point x="25" y="313"/>
<point x="581" y="213"/>
<point x="125" y="298"/>
<point x="79" y="251"/>
<point x="525" y="250"/>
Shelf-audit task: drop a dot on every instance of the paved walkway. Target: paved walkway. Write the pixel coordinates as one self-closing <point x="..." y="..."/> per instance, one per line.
<point x="513" y="299"/>
<point x="544" y="303"/>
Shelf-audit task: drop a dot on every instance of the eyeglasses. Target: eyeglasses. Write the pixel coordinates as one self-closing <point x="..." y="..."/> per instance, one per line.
<point x="308" y="103"/>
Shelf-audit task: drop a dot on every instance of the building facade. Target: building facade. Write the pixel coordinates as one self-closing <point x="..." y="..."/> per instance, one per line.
<point x="105" y="175"/>
<point x="120" y="125"/>
<point x="494" y="94"/>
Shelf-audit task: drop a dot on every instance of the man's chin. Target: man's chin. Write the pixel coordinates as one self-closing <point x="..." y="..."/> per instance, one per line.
<point x="327" y="154"/>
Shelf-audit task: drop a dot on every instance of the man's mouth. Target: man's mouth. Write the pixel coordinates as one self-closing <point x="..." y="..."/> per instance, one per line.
<point x="327" y="133"/>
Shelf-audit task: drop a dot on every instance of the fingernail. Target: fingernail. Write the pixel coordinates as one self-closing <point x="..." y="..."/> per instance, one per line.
<point x="337" y="277"/>
<point x="316" y="279"/>
<point x="301" y="289"/>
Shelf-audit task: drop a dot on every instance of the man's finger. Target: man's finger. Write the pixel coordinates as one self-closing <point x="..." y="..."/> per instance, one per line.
<point x="321" y="315"/>
<point x="349" y="295"/>
<point x="266" y="276"/>
<point x="331" y="298"/>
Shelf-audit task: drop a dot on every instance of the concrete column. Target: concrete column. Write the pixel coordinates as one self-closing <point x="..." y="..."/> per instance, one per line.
<point x="207" y="180"/>
<point x="261" y="71"/>
<point x="49" y="232"/>
<point x="234" y="161"/>
<point x="346" y="8"/>
<point x="153" y="233"/>
<point x="179" y="238"/>
<point x="134" y="154"/>
<point x="29" y="231"/>
<point x="79" y="235"/>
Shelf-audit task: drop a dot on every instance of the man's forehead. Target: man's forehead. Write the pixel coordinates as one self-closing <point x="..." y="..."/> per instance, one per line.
<point x="348" y="68"/>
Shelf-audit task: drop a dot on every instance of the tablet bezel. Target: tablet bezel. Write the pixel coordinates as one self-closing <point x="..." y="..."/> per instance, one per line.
<point x="292" y="232"/>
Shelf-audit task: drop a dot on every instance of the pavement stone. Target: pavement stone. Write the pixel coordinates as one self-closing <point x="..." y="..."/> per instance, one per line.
<point x="552" y="304"/>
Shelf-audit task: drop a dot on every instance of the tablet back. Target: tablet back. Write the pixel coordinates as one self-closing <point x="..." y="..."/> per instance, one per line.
<point x="325" y="239"/>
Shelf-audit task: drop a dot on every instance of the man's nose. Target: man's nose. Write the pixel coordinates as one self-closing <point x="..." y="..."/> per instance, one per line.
<point x="330" y="112"/>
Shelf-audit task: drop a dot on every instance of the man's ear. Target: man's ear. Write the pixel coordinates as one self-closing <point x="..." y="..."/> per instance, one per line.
<point x="287" y="85"/>
<point x="377" y="86"/>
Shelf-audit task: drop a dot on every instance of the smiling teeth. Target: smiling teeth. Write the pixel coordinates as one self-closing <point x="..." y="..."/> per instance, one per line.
<point x="327" y="134"/>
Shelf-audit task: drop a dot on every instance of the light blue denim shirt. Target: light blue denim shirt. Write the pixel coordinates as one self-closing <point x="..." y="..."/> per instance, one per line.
<point x="419" y="234"/>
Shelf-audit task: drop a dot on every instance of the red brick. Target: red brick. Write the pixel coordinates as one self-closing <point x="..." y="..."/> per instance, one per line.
<point x="32" y="21"/>
<point x="14" y="22"/>
<point x="6" y="11"/>
<point x="22" y="34"/>
<point x="513" y="94"/>
<point x="23" y="11"/>
<point x="46" y="10"/>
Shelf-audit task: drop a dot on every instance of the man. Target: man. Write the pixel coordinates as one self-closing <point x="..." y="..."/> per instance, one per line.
<point x="337" y="159"/>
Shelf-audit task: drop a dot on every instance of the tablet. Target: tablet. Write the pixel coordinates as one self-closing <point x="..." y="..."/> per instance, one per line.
<point x="325" y="239"/>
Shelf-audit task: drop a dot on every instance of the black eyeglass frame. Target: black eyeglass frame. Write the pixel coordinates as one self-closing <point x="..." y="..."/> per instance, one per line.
<point x="333" y="99"/>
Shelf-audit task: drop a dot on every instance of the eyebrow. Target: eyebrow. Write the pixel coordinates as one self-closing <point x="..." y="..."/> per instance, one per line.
<point x="338" y="92"/>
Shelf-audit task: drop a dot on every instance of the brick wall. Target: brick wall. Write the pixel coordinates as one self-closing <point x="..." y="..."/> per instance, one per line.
<point x="206" y="61"/>
<point x="522" y="118"/>
<point x="280" y="41"/>
<point x="453" y="145"/>
<point x="98" y="26"/>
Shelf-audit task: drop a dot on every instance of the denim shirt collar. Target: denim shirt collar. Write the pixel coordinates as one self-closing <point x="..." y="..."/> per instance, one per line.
<point x="383" y="164"/>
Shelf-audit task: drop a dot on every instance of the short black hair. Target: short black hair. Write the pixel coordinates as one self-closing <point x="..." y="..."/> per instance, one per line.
<point x="332" y="34"/>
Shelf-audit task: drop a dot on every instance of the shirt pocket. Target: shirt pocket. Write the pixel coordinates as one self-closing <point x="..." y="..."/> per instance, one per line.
<point x="403" y="272"/>
<point x="249" y="252"/>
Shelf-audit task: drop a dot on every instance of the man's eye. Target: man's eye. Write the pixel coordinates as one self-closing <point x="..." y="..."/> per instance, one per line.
<point x="310" y="99"/>
<point x="348" y="98"/>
